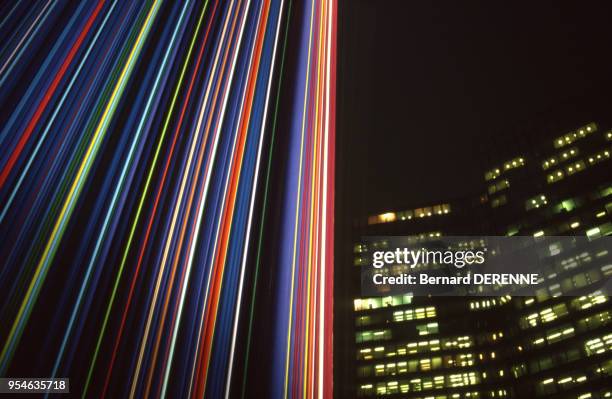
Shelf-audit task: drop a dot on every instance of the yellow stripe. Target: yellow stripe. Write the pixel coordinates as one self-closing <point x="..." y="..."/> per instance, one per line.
<point x="297" y="209"/>
<point x="80" y="174"/>
<point x="313" y="231"/>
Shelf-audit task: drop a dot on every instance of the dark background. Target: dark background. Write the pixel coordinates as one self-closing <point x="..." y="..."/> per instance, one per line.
<point x="431" y="94"/>
<point x="425" y="87"/>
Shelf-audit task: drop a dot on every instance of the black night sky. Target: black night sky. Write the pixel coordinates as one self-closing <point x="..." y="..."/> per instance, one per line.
<point x="422" y="84"/>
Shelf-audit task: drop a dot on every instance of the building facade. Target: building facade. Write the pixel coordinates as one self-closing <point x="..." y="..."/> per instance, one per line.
<point x="555" y="344"/>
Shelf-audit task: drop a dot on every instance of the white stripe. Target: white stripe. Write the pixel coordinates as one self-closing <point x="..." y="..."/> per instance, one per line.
<point x="325" y="163"/>
<point x="173" y="224"/>
<point x="247" y="240"/>
<point x="200" y="211"/>
<point x="25" y="36"/>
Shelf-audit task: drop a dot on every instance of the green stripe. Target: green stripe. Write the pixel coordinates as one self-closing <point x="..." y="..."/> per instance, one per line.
<point x="264" y="206"/>
<point x="142" y="200"/>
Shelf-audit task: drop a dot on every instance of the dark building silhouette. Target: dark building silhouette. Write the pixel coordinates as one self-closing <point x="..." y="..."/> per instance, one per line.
<point x="556" y="344"/>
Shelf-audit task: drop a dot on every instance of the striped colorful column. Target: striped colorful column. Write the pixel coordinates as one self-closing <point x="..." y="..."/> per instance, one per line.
<point x="167" y="196"/>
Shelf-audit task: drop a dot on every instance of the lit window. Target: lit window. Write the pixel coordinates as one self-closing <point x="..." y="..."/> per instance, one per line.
<point x="426" y="329"/>
<point x="593" y="233"/>
<point x="575" y="135"/>
<point x="536" y="202"/>
<point x="567" y="205"/>
<point x="599" y="157"/>
<point x="555" y="176"/>
<point x="499" y="186"/>
<point x="387" y="217"/>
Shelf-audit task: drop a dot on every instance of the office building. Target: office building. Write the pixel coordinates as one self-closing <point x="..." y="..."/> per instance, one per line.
<point x="555" y="344"/>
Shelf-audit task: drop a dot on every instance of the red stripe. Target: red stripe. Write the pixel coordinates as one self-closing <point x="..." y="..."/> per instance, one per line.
<point x="208" y="324"/>
<point x="155" y="204"/>
<point x="329" y="284"/>
<point x="50" y="92"/>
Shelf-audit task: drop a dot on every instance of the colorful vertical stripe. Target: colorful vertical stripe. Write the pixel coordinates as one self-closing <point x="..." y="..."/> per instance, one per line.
<point x="167" y="196"/>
